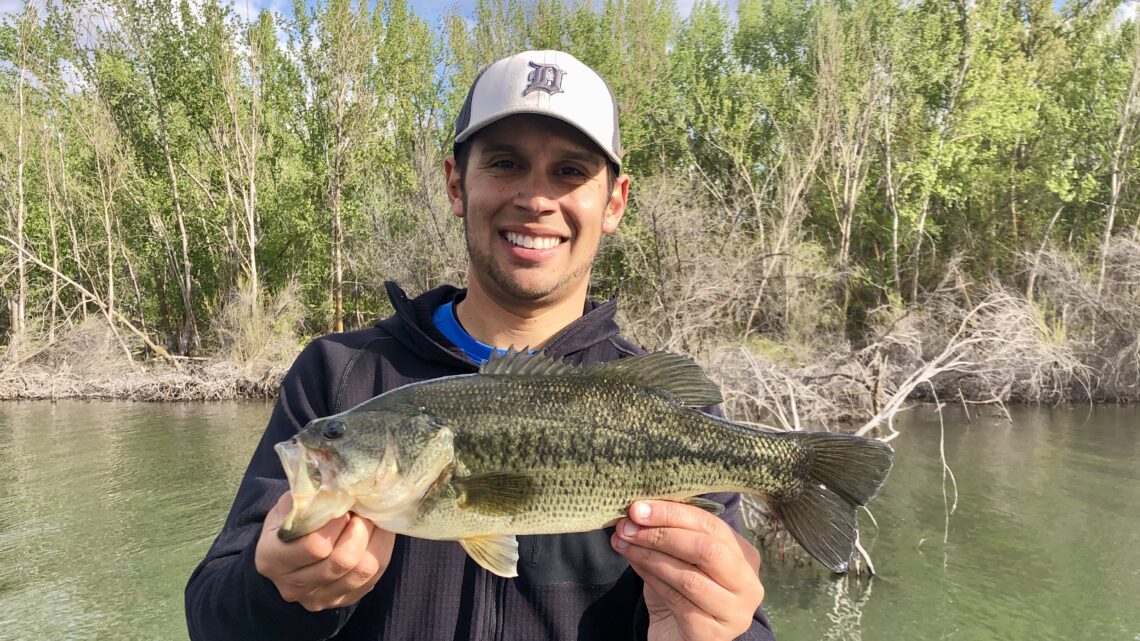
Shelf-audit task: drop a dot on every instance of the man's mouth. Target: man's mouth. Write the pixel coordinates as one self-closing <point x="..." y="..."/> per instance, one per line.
<point x="532" y="242"/>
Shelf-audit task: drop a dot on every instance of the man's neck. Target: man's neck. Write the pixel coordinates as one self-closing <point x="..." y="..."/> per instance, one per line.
<point x="491" y="321"/>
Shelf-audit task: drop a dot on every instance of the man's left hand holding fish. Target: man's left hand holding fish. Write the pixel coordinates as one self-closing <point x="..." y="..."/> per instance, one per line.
<point x="702" y="579"/>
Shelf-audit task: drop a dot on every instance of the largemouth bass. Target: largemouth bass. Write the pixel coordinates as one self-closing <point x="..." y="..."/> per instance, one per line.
<point x="532" y="445"/>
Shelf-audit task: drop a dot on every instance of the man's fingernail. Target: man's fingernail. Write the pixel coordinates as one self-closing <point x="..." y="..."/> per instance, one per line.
<point x="630" y="529"/>
<point x="641" y="510"/>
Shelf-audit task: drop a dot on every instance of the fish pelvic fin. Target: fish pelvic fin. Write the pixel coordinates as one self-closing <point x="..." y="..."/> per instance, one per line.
<point x="708" y="505"/>
<point x="498" y="555"/>
<point x="844" y="472"/>
<point x="677" y="375"/>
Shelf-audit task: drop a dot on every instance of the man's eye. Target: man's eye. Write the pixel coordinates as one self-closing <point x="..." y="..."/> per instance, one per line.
<point x="504" y="164"/>
<point x="571" y="171"/>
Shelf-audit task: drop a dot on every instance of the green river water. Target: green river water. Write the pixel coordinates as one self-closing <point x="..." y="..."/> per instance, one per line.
<point x="105" y="508"/>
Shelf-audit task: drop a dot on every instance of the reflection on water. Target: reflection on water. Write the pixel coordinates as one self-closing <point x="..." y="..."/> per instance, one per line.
<point x="849" y="596"/>
<point x="105" y="508"/>
<point x="1044" y="544"/>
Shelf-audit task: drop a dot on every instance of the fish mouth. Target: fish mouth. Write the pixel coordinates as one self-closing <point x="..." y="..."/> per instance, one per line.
<point x="302" y="467"/>
<point x="316" y="499"/>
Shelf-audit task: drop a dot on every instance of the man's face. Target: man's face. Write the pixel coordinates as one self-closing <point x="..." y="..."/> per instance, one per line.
<point x="535" y="202"/>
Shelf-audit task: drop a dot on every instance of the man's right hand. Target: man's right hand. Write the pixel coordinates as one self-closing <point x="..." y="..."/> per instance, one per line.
<point x="331" y="568"/>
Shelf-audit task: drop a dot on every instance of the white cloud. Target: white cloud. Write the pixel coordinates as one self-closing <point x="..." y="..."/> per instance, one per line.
<point x="685" y="7"/>
<point x="1126" y="11"/>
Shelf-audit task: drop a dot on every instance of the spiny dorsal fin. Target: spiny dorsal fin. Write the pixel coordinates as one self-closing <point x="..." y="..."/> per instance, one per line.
<point x="525" y="363"/>
<point x="677" y="375"/>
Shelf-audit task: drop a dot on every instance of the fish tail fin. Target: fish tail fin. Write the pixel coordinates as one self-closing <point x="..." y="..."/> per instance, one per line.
<point x="843" y="472"/>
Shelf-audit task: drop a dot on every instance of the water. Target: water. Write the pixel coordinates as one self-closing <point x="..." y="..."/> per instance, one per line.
<point x="105" y="508"/>
<point x="1044" y="543"/>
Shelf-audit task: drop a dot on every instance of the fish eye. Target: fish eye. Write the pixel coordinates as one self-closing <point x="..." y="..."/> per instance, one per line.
<point x="333" y="429"/>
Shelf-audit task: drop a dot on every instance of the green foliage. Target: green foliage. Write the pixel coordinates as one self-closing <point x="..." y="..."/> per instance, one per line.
<point x="858" y="139"/>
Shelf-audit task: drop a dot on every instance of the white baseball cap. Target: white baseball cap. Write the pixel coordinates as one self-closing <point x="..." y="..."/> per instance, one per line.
<point x="549" y="83"/>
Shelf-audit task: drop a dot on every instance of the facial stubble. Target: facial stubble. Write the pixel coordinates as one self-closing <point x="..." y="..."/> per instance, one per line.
<point x="484" y="263"/>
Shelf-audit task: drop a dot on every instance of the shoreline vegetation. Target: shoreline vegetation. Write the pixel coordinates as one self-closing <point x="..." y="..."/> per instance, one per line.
<point x="837" y="207"/>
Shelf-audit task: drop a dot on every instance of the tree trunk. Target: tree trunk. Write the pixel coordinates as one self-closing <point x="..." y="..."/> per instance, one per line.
<point x="891" y="196"/>
<point x="50" y="202"/>
<point x="964" y="57"/>
<point x="188" y="340"/>
<point x="1120" y="155"/>
<point x="337" y="262"/>
<point x="17" y="306"/>
<point x="1041" y="250"/>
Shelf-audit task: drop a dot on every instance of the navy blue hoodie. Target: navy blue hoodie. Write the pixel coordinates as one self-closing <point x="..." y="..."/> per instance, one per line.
<point x="570" y="586"/>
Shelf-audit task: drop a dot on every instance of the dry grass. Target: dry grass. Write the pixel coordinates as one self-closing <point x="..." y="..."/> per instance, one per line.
<point x="89" y="361"/>
<point x="259" y="333"/>
<point x="1103" y="331"/>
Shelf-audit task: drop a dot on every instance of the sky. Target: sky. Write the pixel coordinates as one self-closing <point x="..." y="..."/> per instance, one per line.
<point x="433" y="10"/>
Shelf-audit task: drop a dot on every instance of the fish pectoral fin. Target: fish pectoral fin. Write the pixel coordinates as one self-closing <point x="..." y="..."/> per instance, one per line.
<point x="498" y="555"/>
<point x="710" y="506"/>
<point x="494" y="493"/>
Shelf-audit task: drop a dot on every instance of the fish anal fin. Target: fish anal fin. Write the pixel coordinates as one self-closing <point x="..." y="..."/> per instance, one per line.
<point x="499" y="555"/>
<point x="494" y="493"/>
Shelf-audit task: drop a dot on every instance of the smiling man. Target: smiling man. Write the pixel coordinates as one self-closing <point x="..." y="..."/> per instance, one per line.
<point x="536" y="178"/>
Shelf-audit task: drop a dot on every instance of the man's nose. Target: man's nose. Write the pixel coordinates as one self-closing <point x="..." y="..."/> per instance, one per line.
<point x="536" y="194"/>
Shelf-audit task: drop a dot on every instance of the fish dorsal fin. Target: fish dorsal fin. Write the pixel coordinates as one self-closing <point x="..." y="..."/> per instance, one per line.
<point x="678" y="375"/>
<point x="674" y="374"/>
<point x="524" y="363"/>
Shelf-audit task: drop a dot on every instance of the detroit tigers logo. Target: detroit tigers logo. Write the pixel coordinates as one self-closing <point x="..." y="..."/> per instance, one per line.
<point x="546" y="78"/>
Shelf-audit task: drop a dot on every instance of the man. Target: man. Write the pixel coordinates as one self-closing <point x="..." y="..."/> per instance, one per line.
<point x="535" y="176"/>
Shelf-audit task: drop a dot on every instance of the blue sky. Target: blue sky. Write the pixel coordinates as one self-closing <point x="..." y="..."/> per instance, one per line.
<point x="432" y="10"/>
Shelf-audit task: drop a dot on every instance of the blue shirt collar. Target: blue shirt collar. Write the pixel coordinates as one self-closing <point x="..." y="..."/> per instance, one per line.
<point x="445" y="321"/>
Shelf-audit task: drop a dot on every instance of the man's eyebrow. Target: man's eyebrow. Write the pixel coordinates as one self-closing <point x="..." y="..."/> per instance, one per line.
<point x="581" y="155"/>
<point x="500" y="147"/>
<point x="566" y="153"/>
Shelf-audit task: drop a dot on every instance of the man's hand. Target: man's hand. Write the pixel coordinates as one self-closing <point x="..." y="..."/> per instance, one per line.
<point x="702" y="579"/>
<point x="330" y="568"/>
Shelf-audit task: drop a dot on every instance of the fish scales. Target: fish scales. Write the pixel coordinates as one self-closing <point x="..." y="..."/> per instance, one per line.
<point x="591" y="447"/>
<point x="534" y="446"/>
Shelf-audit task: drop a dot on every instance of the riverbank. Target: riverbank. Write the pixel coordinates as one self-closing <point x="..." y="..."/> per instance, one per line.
<point x="967" y="346"/>
<point x="154" y="380"/>
<point x="784" y="385"/>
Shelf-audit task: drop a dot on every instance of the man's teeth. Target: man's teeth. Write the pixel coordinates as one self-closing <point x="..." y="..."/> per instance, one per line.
<point x="533" y="242"/>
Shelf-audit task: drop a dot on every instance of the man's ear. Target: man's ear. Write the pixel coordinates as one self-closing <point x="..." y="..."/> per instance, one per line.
<point x="615" y="209"/>
<point x="454" y="185"/>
